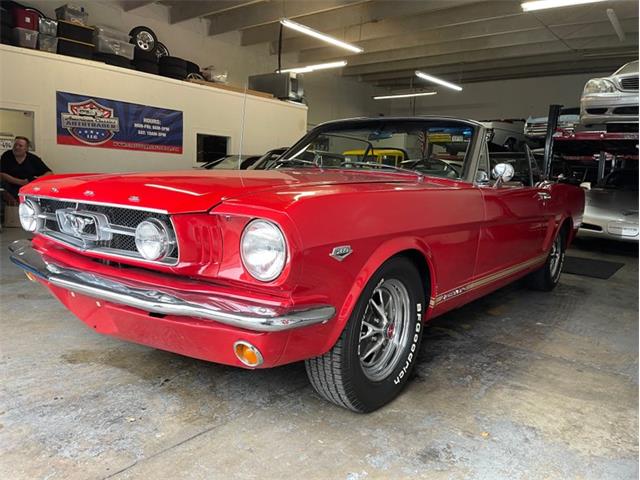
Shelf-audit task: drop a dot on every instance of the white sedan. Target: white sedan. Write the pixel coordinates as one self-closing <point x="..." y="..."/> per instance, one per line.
<point x="612" y="99"/>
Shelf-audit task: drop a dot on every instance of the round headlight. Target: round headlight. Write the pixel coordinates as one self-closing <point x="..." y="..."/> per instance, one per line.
<point x="263" y="250"/>
<point x="29" y="213"/>
<point x="153" y="239"/>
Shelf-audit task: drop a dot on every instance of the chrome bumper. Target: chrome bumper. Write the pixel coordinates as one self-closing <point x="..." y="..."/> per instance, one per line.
<point x="251" y="317"/>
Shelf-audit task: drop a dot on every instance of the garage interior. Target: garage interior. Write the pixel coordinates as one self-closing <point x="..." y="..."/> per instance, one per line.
<point x="516" y="385"/>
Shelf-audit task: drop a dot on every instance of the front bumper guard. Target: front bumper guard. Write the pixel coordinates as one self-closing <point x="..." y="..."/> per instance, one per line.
<point x="209" y="307"/>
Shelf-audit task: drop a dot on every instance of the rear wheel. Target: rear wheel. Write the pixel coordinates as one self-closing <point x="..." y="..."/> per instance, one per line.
<point x="547" y="277"/>
<point x="373" y="358"/>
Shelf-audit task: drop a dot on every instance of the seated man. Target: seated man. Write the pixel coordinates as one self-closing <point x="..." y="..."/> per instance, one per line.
<point x="18" y="167"/>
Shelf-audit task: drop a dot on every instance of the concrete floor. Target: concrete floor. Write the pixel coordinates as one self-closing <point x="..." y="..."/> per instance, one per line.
<point x="519" y="385"/>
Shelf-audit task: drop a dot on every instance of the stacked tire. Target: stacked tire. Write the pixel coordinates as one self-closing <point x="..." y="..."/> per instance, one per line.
<point x="173" y="67"/>
<point x="145" y="61"/>
<point x="151" y="56"/>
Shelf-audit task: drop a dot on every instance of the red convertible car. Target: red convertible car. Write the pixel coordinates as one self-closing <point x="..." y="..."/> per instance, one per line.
<point x="319" y="258"/>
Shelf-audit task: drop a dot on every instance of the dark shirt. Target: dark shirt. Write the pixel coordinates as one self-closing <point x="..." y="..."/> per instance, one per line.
<point x="31" y="167"/>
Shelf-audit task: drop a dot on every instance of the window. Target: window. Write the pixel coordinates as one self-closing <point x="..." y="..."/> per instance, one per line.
<point x="15" y="123"/>
<point x="211" y="147"/>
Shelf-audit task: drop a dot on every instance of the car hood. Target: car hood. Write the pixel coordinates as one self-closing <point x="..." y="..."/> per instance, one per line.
<point x="612" y="203"/>
<point x="193" y="190"/>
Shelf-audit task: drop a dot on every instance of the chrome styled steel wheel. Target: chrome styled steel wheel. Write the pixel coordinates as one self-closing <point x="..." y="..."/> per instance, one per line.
<point x="373" y="359"/>
<point x="556" y="258"/>
<point x="385" y="330"/>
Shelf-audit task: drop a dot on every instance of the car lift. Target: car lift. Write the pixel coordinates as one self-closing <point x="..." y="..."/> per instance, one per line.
<point x="588" y="145"/>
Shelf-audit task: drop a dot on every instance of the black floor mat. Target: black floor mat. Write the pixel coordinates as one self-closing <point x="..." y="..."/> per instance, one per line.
<point x="590" y="268"/>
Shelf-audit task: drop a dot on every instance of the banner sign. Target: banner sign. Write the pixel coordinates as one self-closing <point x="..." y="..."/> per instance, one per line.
<point x="99" y="122"/>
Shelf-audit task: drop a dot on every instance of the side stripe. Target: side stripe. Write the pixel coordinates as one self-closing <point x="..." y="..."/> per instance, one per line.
<point x="486" y="280"/>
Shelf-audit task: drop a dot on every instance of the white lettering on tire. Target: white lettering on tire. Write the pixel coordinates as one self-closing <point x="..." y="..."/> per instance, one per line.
<point x="414" y="346"/>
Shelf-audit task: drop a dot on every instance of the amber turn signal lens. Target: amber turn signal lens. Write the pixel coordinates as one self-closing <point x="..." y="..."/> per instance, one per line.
<point x="247" y="354"/>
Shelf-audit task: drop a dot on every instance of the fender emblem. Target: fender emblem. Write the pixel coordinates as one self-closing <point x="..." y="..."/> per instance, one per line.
<point x="340" y="253"/>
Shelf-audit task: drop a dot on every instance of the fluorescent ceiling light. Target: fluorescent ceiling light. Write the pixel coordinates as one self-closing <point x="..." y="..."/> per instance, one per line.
<point x="312" y="68"/>
<point x="439" y="81"/>
<point x="316" y="34"/>
<point x="544" y="4"/>
<point x="404" y="95"/>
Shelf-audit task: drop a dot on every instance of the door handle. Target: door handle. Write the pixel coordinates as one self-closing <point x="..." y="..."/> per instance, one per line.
<point x="544" y="196"/>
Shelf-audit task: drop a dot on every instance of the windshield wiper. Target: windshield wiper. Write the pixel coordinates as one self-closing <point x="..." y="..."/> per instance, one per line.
<point x="420" y="175"/>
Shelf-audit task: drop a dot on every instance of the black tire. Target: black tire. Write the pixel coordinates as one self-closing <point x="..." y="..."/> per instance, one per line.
<point x="112" y="59"/>
<point x="547" y="277"/>
<point x="142" y="56"/>
<point x="172" y="62"/>
<point x="192" y="67"/>
<point x="161" y="50"/>
<point x="173" y="72"/>
<point x="350" y="378"/>
<point x="148" y="67"/>
<point x="144" y="38"/>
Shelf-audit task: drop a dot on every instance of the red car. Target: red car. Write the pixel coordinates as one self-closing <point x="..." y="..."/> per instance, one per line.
<point x="320" y="258"/>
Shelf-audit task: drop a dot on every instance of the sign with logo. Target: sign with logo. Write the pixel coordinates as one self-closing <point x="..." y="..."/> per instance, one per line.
<point x="100" y="122"/>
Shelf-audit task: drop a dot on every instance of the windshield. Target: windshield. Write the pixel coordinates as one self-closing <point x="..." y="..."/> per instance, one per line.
<point x="631" y="67"/>
<point x="431" y="147"/>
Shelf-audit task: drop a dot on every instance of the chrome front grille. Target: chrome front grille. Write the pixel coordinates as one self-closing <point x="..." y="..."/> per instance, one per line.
<point x="120" y="227"/>
<point x="629" y="83"/>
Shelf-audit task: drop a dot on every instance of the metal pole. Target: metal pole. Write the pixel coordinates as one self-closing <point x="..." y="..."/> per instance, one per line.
<point x="601" y="164"/>
<point x="552" y="124"/>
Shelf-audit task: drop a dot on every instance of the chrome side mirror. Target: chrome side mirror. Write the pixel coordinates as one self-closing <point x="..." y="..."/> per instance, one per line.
<point x="586" y="185"/>
<point x="502" y="172"/>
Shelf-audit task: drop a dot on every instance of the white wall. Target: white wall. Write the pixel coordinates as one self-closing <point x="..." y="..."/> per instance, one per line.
<point x="331" y="97"/>
<point x="500" y="99"/>
<point x="29" y="80"/>
<point x="328" y="95"/>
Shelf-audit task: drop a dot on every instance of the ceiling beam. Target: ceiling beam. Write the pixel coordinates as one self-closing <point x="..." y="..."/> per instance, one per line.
<point x="576" y="40"/>
<point x="362" y="14"/>
<point x="486" y="28"/>
<point x="270" y="12"/>
<point x="128" y="5"/>
<point x="607" y="65"/>
<point x="180" y="11"/>
<point x="496" y="64"/>
<point x="486" y="54"/>
<point x="410" y="23"/>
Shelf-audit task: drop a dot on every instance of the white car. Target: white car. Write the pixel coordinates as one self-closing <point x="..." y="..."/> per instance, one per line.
<point x="612" y="99"/>
<point x="536" y="127"/>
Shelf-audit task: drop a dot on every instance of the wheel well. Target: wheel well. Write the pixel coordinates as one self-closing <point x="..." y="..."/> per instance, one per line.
<point x="566" y="229"/>
<point x="417" y="258"/>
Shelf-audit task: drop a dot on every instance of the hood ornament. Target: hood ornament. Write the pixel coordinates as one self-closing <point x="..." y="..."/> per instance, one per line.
<point x="54" y="190"/>
<point x="340" y="253"/>
<point x="134" y="198"/>
<point x="88" y="193"/>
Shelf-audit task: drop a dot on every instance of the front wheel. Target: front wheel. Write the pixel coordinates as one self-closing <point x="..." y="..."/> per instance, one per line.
<point x="547" y="277"/>
<point x="373" y="358"/>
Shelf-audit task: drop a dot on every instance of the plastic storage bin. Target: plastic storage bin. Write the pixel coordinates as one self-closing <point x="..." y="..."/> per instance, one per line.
<point x="110" y="32"/>
<point x="48" y="26"/>
<point x="23" y="18"/>
<point x="47" y="43"/>
<point x="115" y="47"/>
<point x="23" y="37"/>
<point x="72" y="13"/>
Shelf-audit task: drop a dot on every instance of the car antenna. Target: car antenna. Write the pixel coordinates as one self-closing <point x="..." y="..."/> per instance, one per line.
<point x="242" y="122"/>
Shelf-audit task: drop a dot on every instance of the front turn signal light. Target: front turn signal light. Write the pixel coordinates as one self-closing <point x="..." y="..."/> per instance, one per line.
<point x="247" y="354"/>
